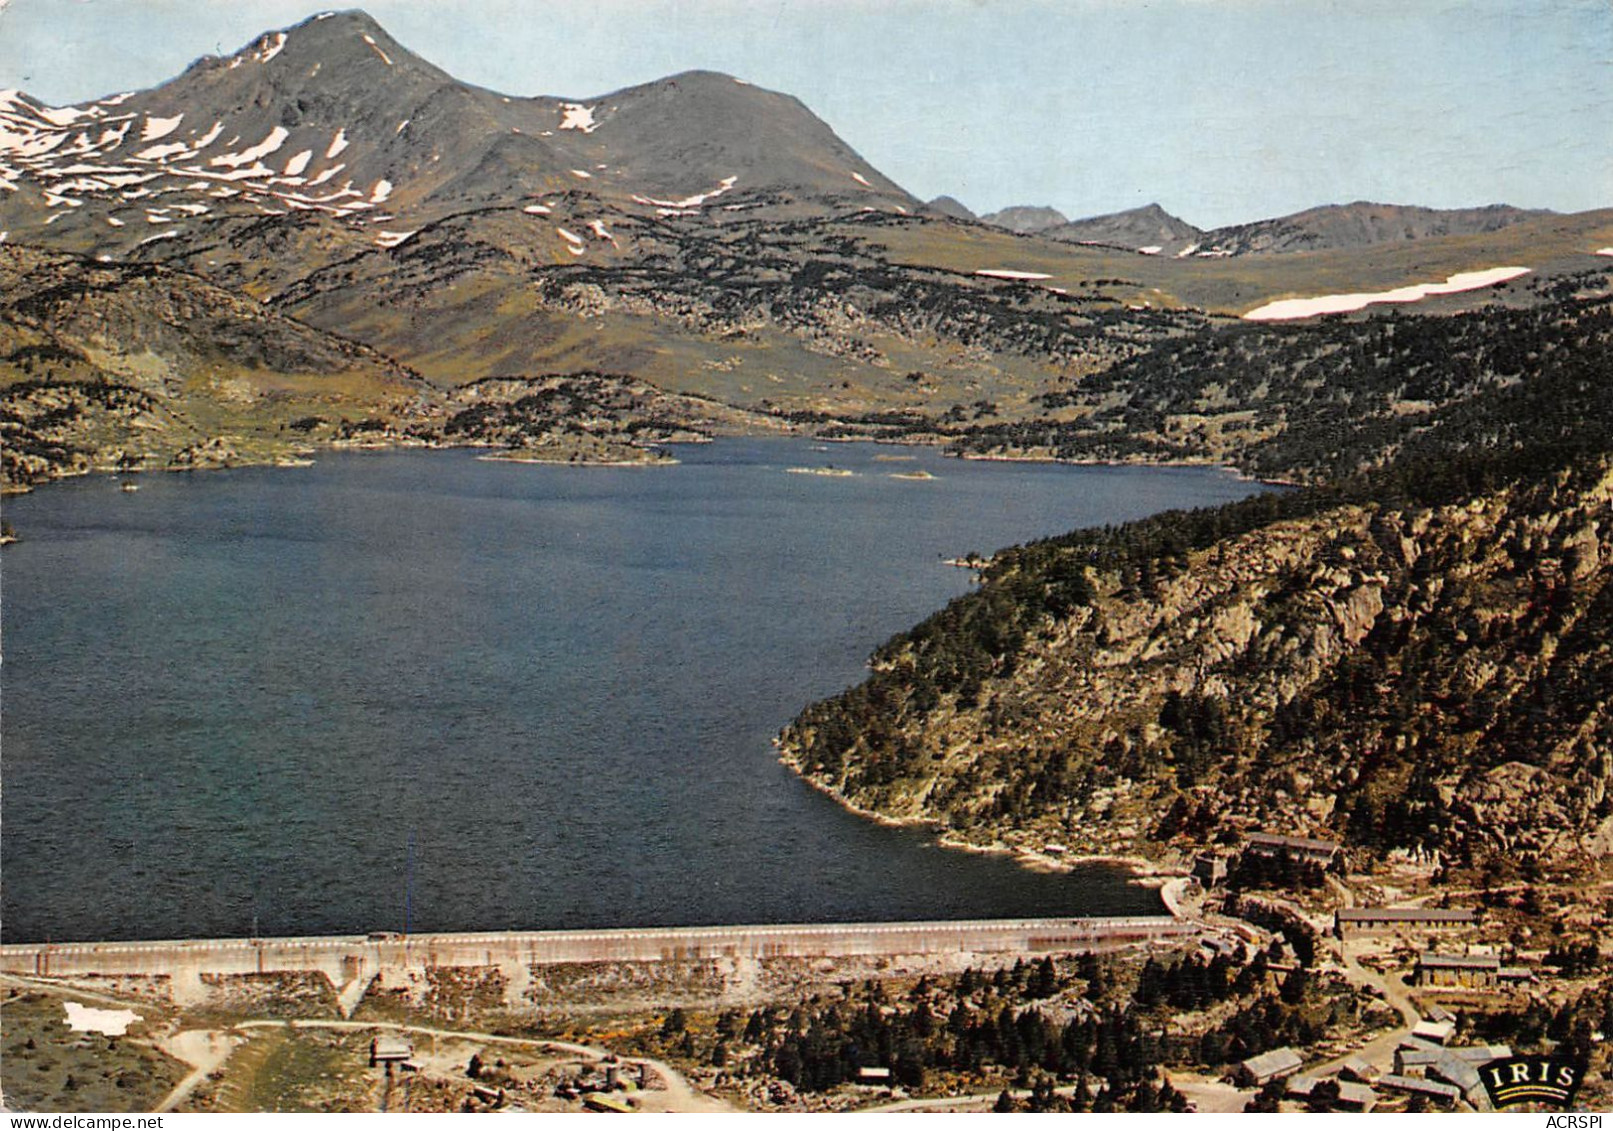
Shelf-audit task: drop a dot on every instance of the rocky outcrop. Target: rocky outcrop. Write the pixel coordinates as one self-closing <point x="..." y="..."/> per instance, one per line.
<point x="590" y="417"/>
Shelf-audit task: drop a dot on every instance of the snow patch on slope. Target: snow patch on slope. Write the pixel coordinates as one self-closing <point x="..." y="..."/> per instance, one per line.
<point x="578" y="117"/>
<point x="157" y="128"/>
<point x="999" y="273"/>
<point x="376" y="48"/>
<point x="270" y="46"/>
<point x="162" y="152"/>
<point x="694" y="201"/>
<point x="113" y="136"/>
<point x="277" y="138"/>
<point x="1343" y="304"/>
<point x="210" y="136"/>
<point x="65" y="115"/>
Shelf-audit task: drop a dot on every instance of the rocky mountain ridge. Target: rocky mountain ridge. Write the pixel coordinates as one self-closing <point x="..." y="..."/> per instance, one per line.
<point x="334" y="117"/>
<point x="1150" y="230"/>
<point x="129" y="367"/>
<point x="1362" y="224"/>
<point x="1026" y="219"/>
<point x="125" y="368"/>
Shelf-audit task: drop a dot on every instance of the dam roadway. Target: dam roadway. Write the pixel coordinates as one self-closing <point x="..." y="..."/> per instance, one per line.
<point x="347" y="960"/>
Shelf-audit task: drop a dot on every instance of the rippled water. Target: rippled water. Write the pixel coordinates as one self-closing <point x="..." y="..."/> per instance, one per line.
<point x="482" y="695"/>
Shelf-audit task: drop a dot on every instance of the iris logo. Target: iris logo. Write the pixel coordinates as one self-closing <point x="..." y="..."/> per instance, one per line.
<point x="1532" y="1079"/>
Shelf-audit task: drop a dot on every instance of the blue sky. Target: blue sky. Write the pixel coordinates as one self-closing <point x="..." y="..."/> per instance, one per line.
<point x="1221" y="110"/>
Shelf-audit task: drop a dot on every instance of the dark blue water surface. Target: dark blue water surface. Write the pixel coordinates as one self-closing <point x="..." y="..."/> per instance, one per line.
<point x="489" y="695"/>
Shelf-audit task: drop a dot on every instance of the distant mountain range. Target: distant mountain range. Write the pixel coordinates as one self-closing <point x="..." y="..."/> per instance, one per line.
<point x="709" y="237"/>
<point x="1149" y="229"/>
<point x="334" y="117"/>
<point x="1153" y="231"/>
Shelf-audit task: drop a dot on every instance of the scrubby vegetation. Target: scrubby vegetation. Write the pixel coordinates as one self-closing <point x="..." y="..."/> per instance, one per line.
<point x="1385" y="639"/>
<point x="1318" y="401"/>
<point x="1083" y="1033"/>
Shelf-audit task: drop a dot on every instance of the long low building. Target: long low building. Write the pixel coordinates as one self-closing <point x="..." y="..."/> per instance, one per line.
<point x="1349" y="921"/>
<point x="1419" y="1086"/>
<point x="1466" y="971"/>
<point x="1267" y="1066"/>
<point x="1298" y="847"/>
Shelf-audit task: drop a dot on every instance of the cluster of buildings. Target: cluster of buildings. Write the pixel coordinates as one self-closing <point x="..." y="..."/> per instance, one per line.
<point x="600" y="1081"/>
<point x="1348" y="1091"/>
<point x="1425" y="1064"/>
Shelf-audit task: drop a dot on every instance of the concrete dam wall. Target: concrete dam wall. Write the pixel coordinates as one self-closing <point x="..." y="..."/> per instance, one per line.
<point x="350" y="962"/>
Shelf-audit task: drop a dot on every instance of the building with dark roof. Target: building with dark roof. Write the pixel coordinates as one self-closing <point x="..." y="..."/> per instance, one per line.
<point x="1351" y="921"/>
<point x="1298" y="847"/>
<point x="1457" y="971"/>
<point x="1260" y="1070"/>
<point x="1210" y="868"/>
<point x="1418" y="1086"/>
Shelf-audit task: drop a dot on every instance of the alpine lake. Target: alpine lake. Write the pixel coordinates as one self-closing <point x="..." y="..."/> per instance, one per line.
<point x="429" y="691"/>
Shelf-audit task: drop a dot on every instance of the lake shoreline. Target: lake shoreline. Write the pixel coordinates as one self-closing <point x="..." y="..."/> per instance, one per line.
<point x="303" y="455"/>
<point x="1143" y="871"/>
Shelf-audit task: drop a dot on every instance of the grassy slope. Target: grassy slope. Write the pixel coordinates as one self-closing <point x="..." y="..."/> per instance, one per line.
<point x="1236" y="285"/>
<point x="860" y="315"/>
<point x="107" y="366"/>
<point x="485" y="294"/>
